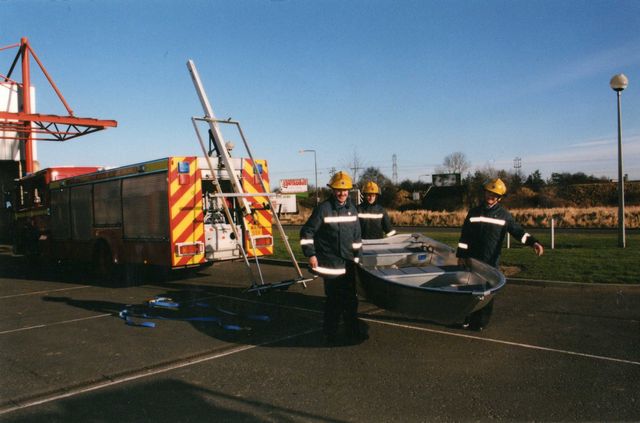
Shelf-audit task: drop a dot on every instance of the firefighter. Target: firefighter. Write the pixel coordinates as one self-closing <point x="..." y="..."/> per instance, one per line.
<point x="486" y="226"/>
<point x="331" y="240"/>
<point x="483" y="232"/>
<point x="374" y="220"/>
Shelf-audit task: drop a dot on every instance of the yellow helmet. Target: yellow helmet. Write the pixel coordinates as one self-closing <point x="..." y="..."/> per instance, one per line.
<point x="341" y="180"/>
<point x="371" y="188"/>
<point x="496" y="186"/>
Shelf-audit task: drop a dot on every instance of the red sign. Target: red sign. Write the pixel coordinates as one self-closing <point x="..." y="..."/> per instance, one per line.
<point x="293" y="186"/>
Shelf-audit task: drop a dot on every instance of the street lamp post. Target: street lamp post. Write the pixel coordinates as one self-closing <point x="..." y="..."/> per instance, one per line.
<point x="315" y="168"/>
<point x="618" y="83"/>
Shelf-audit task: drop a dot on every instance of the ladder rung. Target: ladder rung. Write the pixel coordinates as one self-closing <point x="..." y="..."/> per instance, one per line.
<point x="280" y="285"/>
<point x="244" y="194"/>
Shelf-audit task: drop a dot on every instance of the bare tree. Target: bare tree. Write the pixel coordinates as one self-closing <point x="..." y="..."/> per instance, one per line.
<point x="374" y="174"/>
<point x="454" y="163"/>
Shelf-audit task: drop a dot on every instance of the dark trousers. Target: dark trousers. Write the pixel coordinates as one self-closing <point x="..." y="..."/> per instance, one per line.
<point x="341" y="301"/>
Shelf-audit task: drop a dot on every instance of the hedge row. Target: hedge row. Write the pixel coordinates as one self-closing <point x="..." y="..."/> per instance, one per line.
<point x="565" y="217"/>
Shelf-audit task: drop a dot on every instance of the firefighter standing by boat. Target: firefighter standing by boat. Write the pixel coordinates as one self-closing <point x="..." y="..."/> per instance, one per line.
<point x="331" y="240"/>
<point x="486" y="226"/>
<point x="374" y="220"/>
<point x="483" y="232"/>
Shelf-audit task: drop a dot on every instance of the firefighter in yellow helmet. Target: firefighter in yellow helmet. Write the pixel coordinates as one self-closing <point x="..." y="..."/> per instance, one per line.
<point x="374" y="220"/>
<point x="332" y="242"/>
<point x="483" y="232"/>
<point x="486" y="226"/>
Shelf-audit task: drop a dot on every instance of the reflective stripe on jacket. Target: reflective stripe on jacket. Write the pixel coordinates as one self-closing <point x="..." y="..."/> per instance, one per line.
<point x="332" y="234"/>
<point x="374" y="221"/>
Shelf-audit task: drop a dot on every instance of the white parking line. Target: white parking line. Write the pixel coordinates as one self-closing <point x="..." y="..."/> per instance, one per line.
<point x="499" y="341"/>
<point x="442" y="332"/>
<point x="239" y="349"/>
<point x="54" y="323"/>
<point x="462" y="335"/>
<point x="44" y="292"/>
<point x="148" y="373"/>
<point x="44" y="325"/>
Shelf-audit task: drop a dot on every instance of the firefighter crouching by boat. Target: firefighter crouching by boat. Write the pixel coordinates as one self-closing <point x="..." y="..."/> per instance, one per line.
<point x="332" y="242"/>
<point x="374" y="220"/>
<point x="486" y="226"/>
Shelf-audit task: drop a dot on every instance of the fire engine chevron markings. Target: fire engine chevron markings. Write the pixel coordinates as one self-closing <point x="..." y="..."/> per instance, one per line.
<point x="185" y="222"/>
<point x="184" y="200"/>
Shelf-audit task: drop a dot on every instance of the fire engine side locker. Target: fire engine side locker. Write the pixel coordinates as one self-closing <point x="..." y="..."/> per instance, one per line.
<point x="148" y="213"/>
<point x="162" y="215"/>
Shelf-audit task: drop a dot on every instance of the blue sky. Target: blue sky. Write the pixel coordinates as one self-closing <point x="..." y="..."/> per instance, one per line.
<point x="351" y="79"/>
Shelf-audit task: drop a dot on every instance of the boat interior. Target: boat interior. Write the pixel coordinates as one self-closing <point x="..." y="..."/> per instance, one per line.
<point x="414" y="262"/>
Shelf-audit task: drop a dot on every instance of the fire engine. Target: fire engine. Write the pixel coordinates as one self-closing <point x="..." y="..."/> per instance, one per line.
<point x="159" y="213"/>
<point x="169" y="213"/>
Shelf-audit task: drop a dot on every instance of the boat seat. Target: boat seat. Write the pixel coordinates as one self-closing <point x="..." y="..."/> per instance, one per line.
<point x="411" y="270"/>
<point x="412" y="275"/>
<point x="394" y="257"/>
<point x="385" y="251"/>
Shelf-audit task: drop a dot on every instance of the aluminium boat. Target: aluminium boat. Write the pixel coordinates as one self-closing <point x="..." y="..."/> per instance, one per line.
<point x="418" y="276"/>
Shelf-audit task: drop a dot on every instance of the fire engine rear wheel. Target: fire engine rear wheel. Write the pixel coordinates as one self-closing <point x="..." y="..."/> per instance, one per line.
<point x="103" y="267"/>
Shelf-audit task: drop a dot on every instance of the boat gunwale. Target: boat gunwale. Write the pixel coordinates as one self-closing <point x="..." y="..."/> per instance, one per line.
<point x="404" y="242"/>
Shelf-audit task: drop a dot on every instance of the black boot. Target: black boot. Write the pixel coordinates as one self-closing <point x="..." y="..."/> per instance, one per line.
<point x="357" y="330"/>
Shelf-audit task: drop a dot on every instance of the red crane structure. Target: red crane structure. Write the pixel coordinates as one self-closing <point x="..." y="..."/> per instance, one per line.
<point x="26" y="126"/>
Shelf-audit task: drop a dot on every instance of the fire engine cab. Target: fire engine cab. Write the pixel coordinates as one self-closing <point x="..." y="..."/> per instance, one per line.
<point x="163" y="213"/>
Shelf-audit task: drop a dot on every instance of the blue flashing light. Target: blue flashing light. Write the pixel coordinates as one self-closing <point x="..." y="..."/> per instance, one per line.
<point x="183" y="167"/>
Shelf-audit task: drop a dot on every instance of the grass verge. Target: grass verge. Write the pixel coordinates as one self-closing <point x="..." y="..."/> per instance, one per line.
<point x="585" y="256"/>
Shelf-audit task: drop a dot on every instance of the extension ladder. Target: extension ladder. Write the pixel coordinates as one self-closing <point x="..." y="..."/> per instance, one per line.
<point x="238" y="192"/>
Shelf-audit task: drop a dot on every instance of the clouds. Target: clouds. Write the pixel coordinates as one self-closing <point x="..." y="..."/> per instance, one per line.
<point x="607" y="61"/>
<point x="598" y="157"/>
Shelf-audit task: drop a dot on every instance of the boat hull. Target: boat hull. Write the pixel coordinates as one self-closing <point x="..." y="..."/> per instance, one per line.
<point x="419" y="277"/>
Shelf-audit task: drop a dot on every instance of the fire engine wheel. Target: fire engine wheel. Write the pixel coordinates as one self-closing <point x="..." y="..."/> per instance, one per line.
<point x="103" y="267"/>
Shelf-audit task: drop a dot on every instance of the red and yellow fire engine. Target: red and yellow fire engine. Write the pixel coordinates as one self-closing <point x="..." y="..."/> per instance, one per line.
<point x="163" y="213"/>
<point x="170" y="213"/>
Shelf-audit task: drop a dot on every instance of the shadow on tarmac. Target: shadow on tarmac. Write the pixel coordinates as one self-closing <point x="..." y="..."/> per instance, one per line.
<point x="227" y="313"/>
<point x="165" y="400"/>
<point x="21" y="268"/>
<point x="276" y="319"/>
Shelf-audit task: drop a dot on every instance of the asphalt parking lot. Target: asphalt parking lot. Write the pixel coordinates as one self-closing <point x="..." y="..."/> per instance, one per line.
<point x="551" y="353"/>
